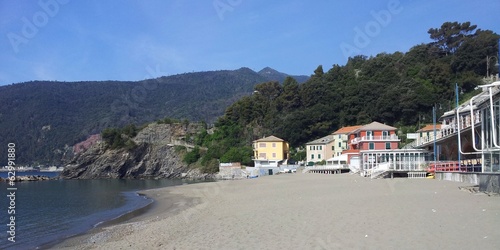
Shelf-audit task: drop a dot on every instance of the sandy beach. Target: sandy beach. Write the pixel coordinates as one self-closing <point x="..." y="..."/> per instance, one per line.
<point x="307" y="211"/>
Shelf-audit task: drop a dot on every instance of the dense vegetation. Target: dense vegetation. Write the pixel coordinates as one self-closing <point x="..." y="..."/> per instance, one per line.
<point x="398" y="89"/>
<point x="120" y="137"/>
<point x="44" y="119"/>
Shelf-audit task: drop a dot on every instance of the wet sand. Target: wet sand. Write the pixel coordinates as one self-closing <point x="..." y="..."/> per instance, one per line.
<point x="307" y="211"/>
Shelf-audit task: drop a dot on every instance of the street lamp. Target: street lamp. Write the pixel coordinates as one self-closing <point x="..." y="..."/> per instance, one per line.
<point x="488" y="58"/>
<point x="434" y="123"/>
<point x="458" y="124"/>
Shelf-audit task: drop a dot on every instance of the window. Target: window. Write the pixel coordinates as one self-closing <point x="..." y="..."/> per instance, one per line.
<point x="371" y="145"/>
<point x="385" y="133"/>
<point x="262" y="145"/>
<point x="320" y="147"/>
<point x="387" y="145"/>
<point x="262" y="156"/>
<point x="369" y="134"/>
<point x="274" y="144"/>
<point x="340" y="136"/>
<point x="274" y="155"/>
<point x="312" y="157"/>
<point x="340" y="144"/>
<point x="319" y="156"/>
<point x="333" y="147"/>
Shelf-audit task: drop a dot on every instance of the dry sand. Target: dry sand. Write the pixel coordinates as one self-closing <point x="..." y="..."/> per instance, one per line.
<point x="308" y="211"/>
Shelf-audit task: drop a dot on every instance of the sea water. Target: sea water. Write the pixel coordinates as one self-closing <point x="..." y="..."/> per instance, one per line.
<point x="49" y="211"/>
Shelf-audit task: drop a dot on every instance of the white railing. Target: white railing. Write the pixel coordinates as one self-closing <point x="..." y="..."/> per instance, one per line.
<point x="354" y="169"/>
<point x="380" y="169"/>
<point x="417" y="175"/>
<point x="330" y="167"/>
<point x="449" y="129"/>
<point x="375" y="138"/>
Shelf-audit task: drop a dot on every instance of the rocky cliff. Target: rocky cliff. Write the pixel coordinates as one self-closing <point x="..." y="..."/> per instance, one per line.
<point x="154" y="156"/>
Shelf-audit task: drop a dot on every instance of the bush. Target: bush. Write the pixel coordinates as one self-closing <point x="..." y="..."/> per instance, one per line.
<point x="211" y="166"/>
<point x="193" y="156"/>
<point x="238" y="154"/>
<point x="120" y="138"/>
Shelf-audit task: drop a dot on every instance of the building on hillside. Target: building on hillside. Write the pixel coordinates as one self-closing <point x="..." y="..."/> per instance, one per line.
<point x="270" y="151"/>
<point x="341" y="139"/>
<point x="426" y="134"/>
<point x="319" y="149"/>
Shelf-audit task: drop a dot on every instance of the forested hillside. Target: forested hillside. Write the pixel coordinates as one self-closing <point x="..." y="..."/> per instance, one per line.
<point x="44" y="119"/>
<point x="397" y="89"/>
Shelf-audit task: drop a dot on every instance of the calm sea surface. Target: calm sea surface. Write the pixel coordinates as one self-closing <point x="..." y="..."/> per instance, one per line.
<point x="48" y="211"/>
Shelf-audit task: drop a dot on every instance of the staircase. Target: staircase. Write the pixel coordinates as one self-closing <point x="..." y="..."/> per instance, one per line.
<point x="380" y="171"/>
<point x="354" y="169"/>
<point x="379" y="174"/>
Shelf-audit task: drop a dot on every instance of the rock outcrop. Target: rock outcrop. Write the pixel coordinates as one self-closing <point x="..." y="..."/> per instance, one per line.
<point x="154" y="156"/>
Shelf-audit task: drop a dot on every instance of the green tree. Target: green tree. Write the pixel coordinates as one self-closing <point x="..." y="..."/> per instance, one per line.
<point x="451" y="35"/>
<point x="193" y="156"/>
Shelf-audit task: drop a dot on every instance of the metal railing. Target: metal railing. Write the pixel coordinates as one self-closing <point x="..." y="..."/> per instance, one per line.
<point x="330" y="167"/>
<point x="375" y="138"/>
<point x="450" y="129"/>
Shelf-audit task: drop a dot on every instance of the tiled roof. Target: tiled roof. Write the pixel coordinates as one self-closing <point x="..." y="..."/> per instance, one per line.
<point x="345" y="130"/>
<point x="271" y="138"/>
<point x="375" y="126"/>
<point x="429" y="127"/>
<point x="323" y="140"/>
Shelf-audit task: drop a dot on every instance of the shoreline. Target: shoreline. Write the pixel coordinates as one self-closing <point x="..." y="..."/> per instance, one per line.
<point x="98" y="227"/>
<point x="135" y="217"/>
<point x="304" y="211"/>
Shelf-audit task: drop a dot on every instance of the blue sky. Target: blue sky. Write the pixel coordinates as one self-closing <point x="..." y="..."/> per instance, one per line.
<point x="70" y="40"/>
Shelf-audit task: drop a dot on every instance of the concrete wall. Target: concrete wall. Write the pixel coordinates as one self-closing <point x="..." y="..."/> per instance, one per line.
<point x="487" y="182"/>
<point x="471" y="178"/>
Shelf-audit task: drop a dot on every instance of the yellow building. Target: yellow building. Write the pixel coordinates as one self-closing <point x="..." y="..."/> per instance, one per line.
<point x="269" y="151"/>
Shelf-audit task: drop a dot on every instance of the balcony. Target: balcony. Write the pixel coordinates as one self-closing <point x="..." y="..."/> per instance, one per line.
<point x="375" y="138"/>
<point x="450" y="129"/>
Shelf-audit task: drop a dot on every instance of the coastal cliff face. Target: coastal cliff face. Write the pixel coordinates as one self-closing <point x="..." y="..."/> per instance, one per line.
<point x="153" y="157"/>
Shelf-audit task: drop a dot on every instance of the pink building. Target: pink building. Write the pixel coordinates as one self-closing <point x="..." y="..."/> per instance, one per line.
<point x="373" y="136"/>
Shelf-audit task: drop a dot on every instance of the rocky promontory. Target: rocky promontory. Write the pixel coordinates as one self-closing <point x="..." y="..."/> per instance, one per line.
<point x="154" y="156"/>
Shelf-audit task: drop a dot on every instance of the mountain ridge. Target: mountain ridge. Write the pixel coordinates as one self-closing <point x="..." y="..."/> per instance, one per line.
<point x="46" y="118"/>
